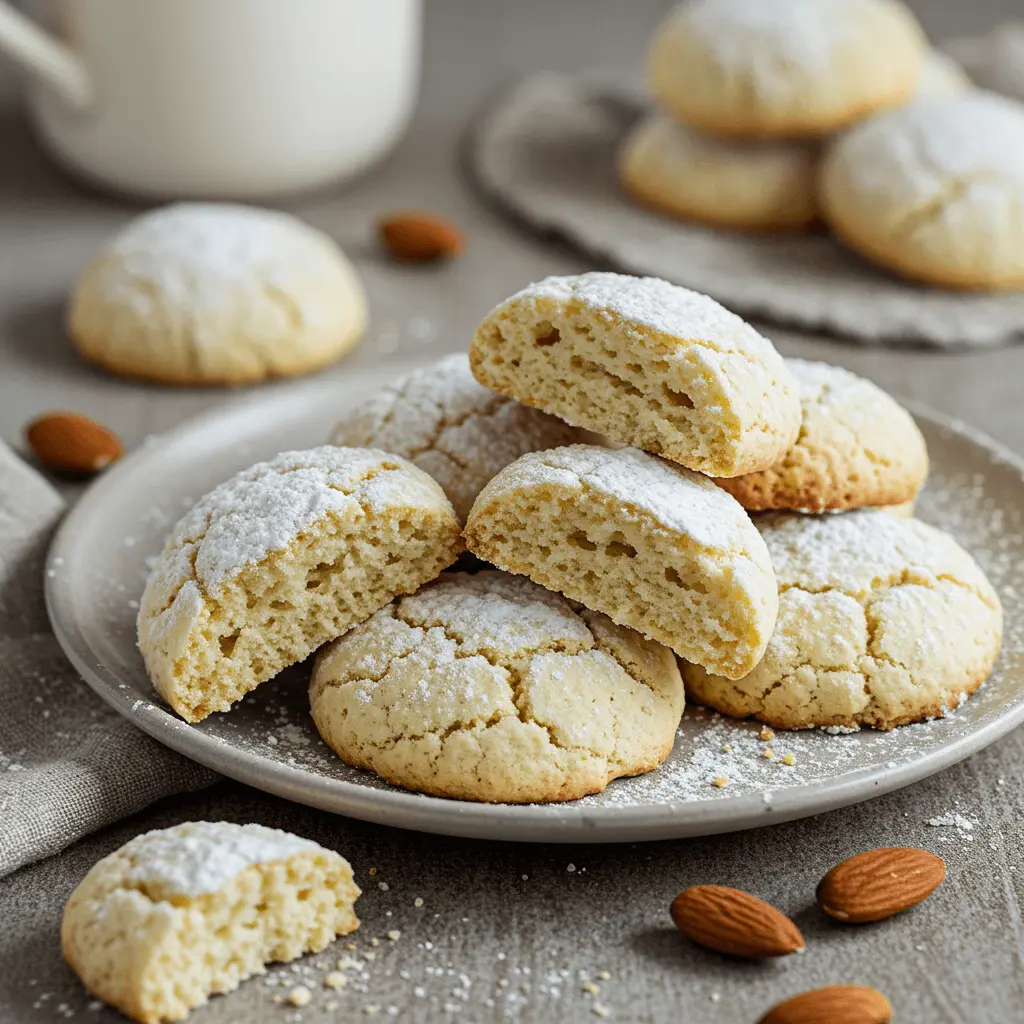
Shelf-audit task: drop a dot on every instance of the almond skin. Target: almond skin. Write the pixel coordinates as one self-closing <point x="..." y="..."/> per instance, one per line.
<point x="879" y="883"/>
<point x="66" y="442"/>
<point x="418" y="237"/>
<point x="837" y="1004"/>
<point x="734" y="922"/>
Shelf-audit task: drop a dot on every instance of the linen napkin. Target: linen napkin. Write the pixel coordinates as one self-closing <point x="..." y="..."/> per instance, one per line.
<point x="69" y="764"/>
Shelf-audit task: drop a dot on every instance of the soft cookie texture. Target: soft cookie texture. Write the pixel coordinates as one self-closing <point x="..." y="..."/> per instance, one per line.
<point x="179" y="914"/>
<point x="649" y="544"/>
<point x="281" y="558"/>
<point x="792" y="68"/>
<point x="200" y="293"/>
<point x="934" y="191"/>
<point x="732" y="183"/>
<point x="491" y="688"/>
<point x="646" y="363"/>
<point x="443" y="421"/>
<point x="856" y="447"/>
<point x="882" y="621"/>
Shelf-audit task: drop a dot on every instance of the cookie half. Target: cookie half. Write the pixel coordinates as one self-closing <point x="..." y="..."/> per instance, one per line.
<point x="784" y="68"/>
<point x="882" y="621"/>
<point x="281" y="558"/>
<point x="651" y="545"/>
<point x="443" y="421"/>
<point x="488" y="687"/>
<point x="645" y="363"/>
<point x="208" y="293"/>
<point x="179" y="914"/>
<point x="934" y="191"/>
<point x="857" y="447"/>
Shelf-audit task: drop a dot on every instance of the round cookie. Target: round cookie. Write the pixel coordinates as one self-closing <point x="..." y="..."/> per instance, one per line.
<point x="281" y="558"/>
<point x="784" y="68"/>
<point x="934" y="191"/>
<point x="182" y="913"/>
<point x="443" y="421"/>
<point x="645" y="363"/>
<point x="491" y="688"/>
<point x="882" y="621"/>
<point x="732" y="183"/>
<point x="940" y="75"/>
<point x="652" y="546"/>
<point x="202" y="293"/>
<point x="857" y="447"/>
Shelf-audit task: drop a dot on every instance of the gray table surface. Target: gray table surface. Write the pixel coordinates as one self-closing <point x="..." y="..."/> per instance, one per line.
<point x="514" y="931"/>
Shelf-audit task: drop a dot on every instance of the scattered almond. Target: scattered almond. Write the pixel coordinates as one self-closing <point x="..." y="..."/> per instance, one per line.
<point x="417" y="236"/>
<point x="879" y="883"/>
<point x="66" y="442"/>
<point x="837" y="1004"/>
<point x="734" y="922"/>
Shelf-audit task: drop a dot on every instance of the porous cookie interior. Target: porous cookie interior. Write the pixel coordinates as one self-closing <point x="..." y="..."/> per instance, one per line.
<point x="157" y="953"/>
<point x="489" y="688"/>
<point x="274" y="612"/>
<point x="881" y="622"/>
<point x="714" y="606"/>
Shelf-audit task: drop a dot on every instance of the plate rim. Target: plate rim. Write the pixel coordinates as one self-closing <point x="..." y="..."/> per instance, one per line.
<point x="561" y="822"/>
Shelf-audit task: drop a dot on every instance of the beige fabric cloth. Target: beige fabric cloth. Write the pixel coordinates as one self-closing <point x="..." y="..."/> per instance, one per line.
<point x="68" y="763"/>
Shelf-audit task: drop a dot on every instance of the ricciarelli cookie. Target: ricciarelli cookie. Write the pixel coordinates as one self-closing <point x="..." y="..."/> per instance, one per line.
<point x="443" y="421"/>
<point x="281" y="558"/>
<point x="857" y="447"/>
<point x="651" y="545"/>
<point x="934" y="191"/>
<point x="645" y="363"/>
<point x="784" y="68"/>
<point x="882" y="621"/>
<point x="491" y="688"/>
<point x="180" y="914"/>
<point x="204" y="293"/>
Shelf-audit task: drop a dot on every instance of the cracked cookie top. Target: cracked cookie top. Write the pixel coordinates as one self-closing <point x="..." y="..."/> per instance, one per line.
<point x="882" y="621"/>
<point x="857" y="446"/>
<point x="450" y="426"/>
<point x="488" y="687"/>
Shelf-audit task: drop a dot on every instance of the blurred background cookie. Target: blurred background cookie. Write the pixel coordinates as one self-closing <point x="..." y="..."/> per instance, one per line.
<point x="488" y="687"/>
<point x="200" y="293"/>
<point x="793" y="68"/>
<point x="934" y="191"/>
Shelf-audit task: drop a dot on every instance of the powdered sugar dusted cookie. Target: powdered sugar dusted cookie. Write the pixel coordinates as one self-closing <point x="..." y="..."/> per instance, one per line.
<point x="748" y="185"/>
<point x="934" y="191"/>
<point x="797" y="68"/>
<point x="940" y="75"/>
<point x="856" y="447"/>
<point x="652" y="546"/>
<point x="202" y="293"/>
<point x="646" y="363"/>
<point x="489" y="687"/>
<point x="882" y="621"/>
<point x="281" y="558"/>
<point x="179" y="914"/>
<point x="443" y="421"/>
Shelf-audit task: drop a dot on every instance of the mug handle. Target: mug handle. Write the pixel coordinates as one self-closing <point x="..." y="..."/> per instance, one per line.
<point x="45" y="58"/>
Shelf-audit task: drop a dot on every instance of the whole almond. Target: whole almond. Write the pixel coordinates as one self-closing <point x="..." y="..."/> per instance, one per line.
<point x="879" y="883"/>
<point x="837" y="1004"/>
<point x="66" y="442"/>
<point x="417" y="236"/>
<point x="734" y="922"/>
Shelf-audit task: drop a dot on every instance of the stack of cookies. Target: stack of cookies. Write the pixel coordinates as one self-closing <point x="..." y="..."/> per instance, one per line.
<point x="661" y="502"/>
<point x="756" y="102"/>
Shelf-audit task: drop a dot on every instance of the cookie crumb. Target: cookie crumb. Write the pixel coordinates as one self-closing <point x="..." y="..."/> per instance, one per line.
<point x="721" y="782"/>
<point x="418" y="902"/>
<point x="570" y="868"/>
<point x="766" y="734"/>
<point x="373" y="871"/>
<point x="600" y="1010"/>
<point x="726" y="748"/>
<point x="604" y="975"/>
<point x="374" y="942"/>
<point x="335" y="980"/>
<point x="767" y="753"/>
<point x="383" y="886"/>
<point x="300" y="996"/>
<point x="394" y="935"/>
<point x="590" y="987"/>
<point x="789" y="759"/>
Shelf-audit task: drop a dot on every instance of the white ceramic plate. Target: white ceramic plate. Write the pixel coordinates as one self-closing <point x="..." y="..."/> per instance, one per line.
<point x="98" y="564"/>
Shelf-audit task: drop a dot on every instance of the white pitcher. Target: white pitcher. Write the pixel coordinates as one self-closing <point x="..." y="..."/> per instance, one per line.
<point x="219" y="98"/>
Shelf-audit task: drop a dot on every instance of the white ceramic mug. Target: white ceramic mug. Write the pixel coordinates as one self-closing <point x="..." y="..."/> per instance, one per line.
<point x="219" y="98"/>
